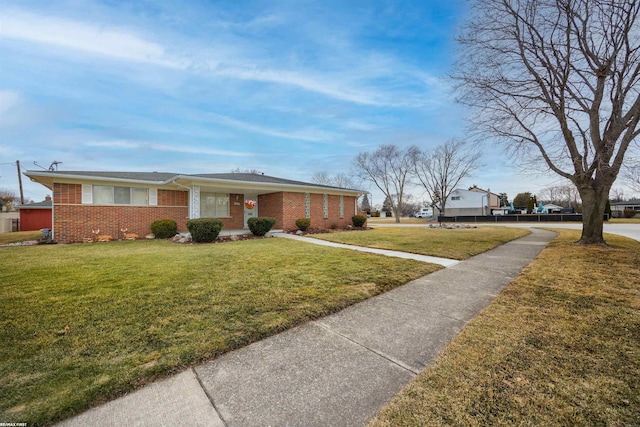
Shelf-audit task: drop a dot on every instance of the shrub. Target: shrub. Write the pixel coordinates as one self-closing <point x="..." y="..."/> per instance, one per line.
<point x="303" y="223"/>
<point x="358" y="220"/>
<point x="164" y="228"/>
<point x="260" y="225"/>
<point x="629" y="213"/>
<point x="204" y="230"/>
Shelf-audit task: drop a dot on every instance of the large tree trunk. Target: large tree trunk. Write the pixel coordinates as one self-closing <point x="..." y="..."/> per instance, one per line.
<point x="396" y="213"/>
<point x="594" y="202"/>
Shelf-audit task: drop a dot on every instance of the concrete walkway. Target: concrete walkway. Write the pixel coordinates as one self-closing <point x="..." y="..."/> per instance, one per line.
<point x="336" y="371"/>
<point x="446" y="262"/>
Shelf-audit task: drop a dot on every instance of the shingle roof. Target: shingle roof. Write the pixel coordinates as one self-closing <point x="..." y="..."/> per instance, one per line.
<point x="252" y="177"/>
<point x="627" y="202"/>
<point x="141" y="176"/>
<point x="163" y="177"/>
<point x="40" y="205"/>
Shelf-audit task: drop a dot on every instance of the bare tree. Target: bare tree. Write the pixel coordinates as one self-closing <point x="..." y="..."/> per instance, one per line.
<point x="389" y="168"/>
<point x="616" y="195"/>
<point x="322" y="178"/>
<point x="341" y="180"/>
<point x="441" y="170"/>
<point x="7" y="197"/>
<point x="562" y="195"/>
<point x="558" y="80"/>
<point x="632" y="175"/>
<point x="251" y="171"/>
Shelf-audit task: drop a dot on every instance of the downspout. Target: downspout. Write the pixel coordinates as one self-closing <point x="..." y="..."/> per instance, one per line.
<point x="189" y="190"/>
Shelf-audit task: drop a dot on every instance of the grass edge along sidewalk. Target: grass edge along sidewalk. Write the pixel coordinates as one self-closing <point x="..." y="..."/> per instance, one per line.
<point x="83" y="324"/>
<point x="456" y="244"/>
<point x="559" y="346"/>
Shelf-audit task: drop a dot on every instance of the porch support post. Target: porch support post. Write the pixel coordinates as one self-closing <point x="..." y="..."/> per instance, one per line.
<point x="194" y="206"/>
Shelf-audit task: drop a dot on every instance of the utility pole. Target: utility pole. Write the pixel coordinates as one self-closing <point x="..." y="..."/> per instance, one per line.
<point x="20" y="182"/>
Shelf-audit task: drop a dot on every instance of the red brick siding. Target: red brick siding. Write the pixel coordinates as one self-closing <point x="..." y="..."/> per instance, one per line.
<point x="236" y="221"/>
<point x="67" y="193"/>
<point x="288" y="207"/>
<point x="74" y="221"/>
<point x="272" y="205"/>
<point x="173" y="198"/>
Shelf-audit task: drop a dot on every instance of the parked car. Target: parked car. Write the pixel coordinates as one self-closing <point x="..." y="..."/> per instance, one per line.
<point x="424" y="213"/>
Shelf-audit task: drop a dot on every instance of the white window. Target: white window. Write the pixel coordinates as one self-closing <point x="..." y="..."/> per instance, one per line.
<point x="110" y="195"/>
<point x="341" y="207"/>
<point x="214" y="205"/>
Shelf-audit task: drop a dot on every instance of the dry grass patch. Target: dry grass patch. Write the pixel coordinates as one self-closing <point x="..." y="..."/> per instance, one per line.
<point x="455" y="244"/>
<point x="19" y="236"/>
<point x="559" y="346"/>
<point x="81" y="324"/>
<point x="403" y="220"/>
<point x="635" y="220"/>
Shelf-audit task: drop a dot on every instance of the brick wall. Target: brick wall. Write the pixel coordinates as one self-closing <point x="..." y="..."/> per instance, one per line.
<point x="67" y="193"/>
<point x="74" y="221"/>
<point x="236" y="221"/>
<point x="288" y="207"/>
<point x="272" y="205"/>
<point x="173" y="198"/>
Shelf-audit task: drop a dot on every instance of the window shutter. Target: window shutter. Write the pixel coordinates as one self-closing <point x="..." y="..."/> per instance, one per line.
<point x="87" y="194"/>
<point x="153" y="197"/>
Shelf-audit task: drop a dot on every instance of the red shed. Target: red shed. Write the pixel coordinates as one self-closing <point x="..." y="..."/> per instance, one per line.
<point x="35" y="216"/>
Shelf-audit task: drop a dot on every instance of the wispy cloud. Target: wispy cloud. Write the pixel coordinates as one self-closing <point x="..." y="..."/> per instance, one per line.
<point x="121" y="144"/>
<point x="9" y="99"/>
<point x="93" y="38"/>
<point x="126" y="45"/>
<point x="308" y="134"/>
<point x="332" y="87"/>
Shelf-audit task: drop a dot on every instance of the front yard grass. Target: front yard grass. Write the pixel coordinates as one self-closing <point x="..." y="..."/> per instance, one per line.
<point x="19" y="236"/>
<point x="559" y="346"/>
<point x="403" y="220"/>
<point x="82" y="324"/>
<point x="455" y="244"/>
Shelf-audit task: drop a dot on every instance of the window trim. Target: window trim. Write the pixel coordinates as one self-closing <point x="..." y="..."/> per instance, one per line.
<point x="92" y="199"/>
<point x="204" y="194"/>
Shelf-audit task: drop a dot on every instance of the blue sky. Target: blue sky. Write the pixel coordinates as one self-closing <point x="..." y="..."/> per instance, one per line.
<point x="285" y="87"/>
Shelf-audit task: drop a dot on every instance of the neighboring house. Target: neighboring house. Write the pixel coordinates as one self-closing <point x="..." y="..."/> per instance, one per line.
<point x="551" y="208"/>
<point x="84" y="202"/>
<point x="617" y="208"/>
<point x="474" y="201"/>
<point x="36" y="216"/>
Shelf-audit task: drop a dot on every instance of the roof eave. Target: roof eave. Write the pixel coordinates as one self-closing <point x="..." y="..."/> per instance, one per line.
<point x="47" y="174"/>
<point x="264" y="185"/>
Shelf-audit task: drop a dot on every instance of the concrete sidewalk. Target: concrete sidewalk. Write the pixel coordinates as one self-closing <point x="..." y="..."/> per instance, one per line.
<point x="446" y="262"/>
<point x="336" y="371"/>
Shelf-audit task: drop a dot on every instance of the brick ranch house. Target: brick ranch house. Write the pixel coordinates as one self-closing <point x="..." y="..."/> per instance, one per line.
<point x="112" y="201"/>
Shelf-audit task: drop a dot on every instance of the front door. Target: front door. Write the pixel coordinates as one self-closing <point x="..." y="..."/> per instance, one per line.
<point x="250" y="207"/>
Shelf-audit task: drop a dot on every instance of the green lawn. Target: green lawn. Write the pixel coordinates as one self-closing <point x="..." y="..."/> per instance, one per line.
<point x="454" y="244"/>
<point x="19" y="236"/>
<point x="560" y="346"/>
<point x="81" y="324"/>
